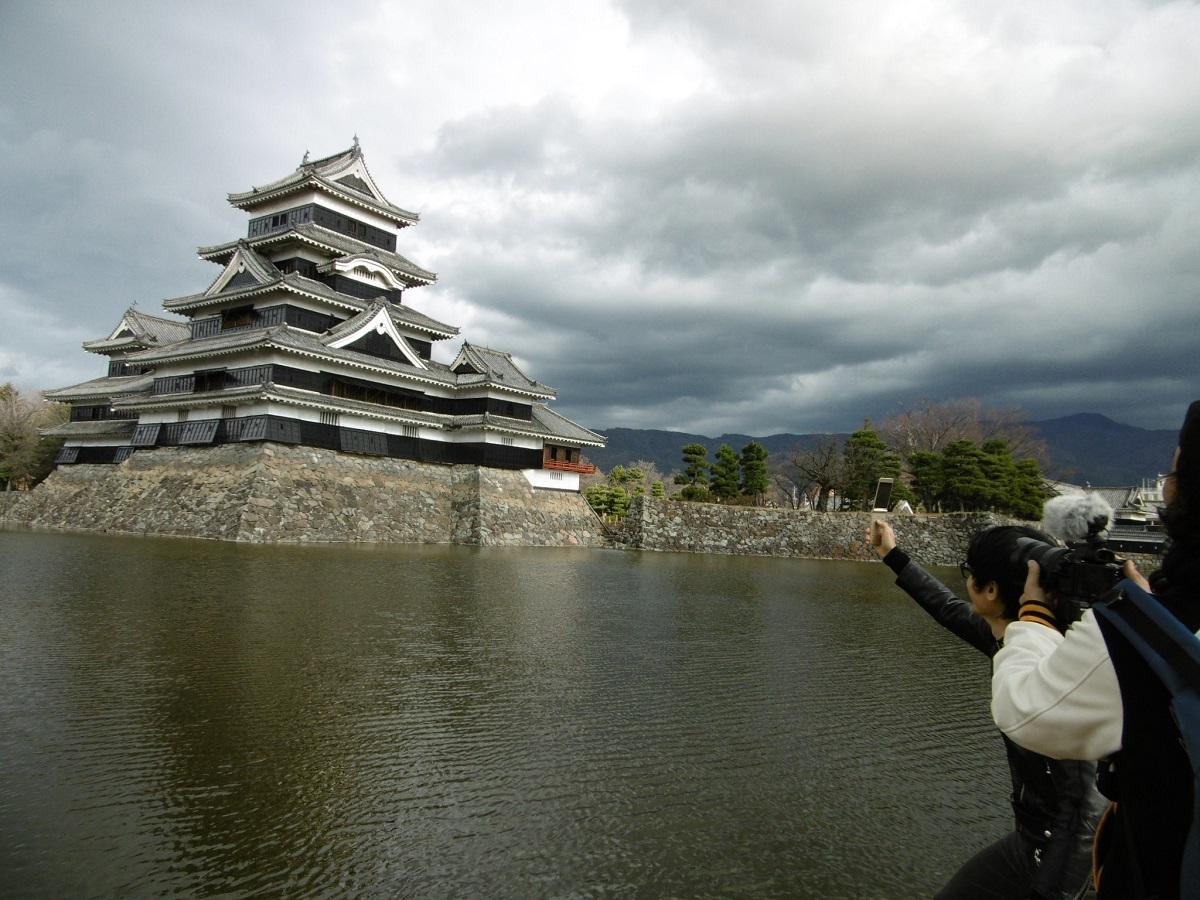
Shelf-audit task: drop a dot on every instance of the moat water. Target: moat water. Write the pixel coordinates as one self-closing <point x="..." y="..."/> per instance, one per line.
<point x="191" y="719"/>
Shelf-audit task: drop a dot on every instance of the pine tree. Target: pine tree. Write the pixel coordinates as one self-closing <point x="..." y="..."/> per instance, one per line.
<point x="999" y="474"/>
<point x="1029" y="492"/>
<point x="965" y="487"/>
<point x="599" y="498"/>
<point x="725" y="473"/>
<point x="867" y="459"/>
<point x="754" y="470"/>
<point x="928" y="478"/>
<point x="695" y="472"/>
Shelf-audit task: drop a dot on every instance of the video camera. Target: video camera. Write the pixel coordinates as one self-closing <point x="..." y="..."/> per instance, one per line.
<point x="1085" y="568"/>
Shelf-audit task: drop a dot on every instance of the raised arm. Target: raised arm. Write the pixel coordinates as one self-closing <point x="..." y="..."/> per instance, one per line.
<point x="947" y="609"/>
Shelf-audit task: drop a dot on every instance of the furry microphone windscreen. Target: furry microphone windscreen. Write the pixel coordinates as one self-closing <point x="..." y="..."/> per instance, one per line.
<point x="1072" y="517"/>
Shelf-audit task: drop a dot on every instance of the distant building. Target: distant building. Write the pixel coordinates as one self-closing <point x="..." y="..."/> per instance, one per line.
<point x="305" y="337"/>
<point x="1135" y="526"/>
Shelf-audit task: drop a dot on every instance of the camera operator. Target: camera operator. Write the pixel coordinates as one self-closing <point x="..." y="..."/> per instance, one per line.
<point x="1089" y="694"/>
<point x="1048" y="854"/>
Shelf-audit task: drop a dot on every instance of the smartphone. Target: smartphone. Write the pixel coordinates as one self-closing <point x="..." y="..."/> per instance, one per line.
<point x="883" y="494"/>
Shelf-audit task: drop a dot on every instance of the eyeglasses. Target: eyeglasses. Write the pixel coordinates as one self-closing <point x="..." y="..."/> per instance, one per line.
<point x="966" y="571"/>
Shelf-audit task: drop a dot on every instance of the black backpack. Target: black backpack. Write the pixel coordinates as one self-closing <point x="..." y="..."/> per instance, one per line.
<point x="1172" y="653"/>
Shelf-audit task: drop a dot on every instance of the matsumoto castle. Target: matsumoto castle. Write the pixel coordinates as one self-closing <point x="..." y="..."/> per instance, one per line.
<point x="306" y="337"/>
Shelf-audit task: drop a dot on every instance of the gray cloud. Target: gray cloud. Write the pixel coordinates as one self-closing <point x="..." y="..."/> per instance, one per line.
<point x="772" y="217"/>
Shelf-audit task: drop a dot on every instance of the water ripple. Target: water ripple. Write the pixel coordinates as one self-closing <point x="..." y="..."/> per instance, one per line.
<point x="195" y="720"/>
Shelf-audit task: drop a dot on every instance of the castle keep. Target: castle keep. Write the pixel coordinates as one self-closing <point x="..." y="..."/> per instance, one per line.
<point x="306" y="338"/>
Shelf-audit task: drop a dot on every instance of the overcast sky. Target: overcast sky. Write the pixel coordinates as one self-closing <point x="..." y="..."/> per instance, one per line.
<point x="754" y="217"/>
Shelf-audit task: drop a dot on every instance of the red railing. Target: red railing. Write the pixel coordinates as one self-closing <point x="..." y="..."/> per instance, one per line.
<point x="581" y="468"/>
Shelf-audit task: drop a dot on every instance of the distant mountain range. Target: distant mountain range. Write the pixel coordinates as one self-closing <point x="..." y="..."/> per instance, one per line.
<point x="1087" y="448"/>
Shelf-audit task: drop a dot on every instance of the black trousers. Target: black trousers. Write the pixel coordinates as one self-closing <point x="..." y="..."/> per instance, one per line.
<point x="1002" y="871"/>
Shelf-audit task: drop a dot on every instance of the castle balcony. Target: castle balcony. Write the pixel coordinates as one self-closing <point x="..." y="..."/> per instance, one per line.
<point x="581" y="468"/>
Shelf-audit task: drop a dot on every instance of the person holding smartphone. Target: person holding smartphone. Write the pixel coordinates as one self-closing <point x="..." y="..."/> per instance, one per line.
<point x="1056" y="807"/>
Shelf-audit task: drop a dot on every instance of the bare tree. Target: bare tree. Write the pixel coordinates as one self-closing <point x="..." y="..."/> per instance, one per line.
<point x="785" y="489"/>
<point x="1010" y="424"/>
<point x="650" y="472"/>
<point x="818" y="469"/>
<point x="927" y="424"/>
<point x="590" y="480"/>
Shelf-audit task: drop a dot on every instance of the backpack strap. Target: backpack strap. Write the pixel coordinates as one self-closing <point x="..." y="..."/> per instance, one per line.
<point x="1172" y="652"/>
<point x="1170" y="648"/>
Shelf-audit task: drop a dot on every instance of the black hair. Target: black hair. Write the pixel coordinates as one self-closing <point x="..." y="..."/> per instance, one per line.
<point x="1181" y="517"/>
<point x="990" y="558"/>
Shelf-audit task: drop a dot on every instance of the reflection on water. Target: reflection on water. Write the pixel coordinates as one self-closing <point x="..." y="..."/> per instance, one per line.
<point x="201" y="719"/>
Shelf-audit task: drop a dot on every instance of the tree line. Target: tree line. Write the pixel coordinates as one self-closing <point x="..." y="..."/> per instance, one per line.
<point x="730" y="475"/>
<point x="942" y="456"/>
<point x="26" y="458"/>
<point x="613" y="496"/>
<point x="728" y="478"/>
<point x="949" y="456"/>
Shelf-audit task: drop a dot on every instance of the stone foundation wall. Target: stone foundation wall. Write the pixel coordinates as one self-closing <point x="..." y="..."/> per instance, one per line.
<point x="514" y="513"/>
<point x="670" y="525"/>
<point x="276" y="493"/>
<point x="936" y="540"/>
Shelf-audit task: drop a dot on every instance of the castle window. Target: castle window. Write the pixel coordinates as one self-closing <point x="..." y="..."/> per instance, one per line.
<point x="365" y="392"/>
<point x="237" y="318"/>
<point x="209" y="380"/>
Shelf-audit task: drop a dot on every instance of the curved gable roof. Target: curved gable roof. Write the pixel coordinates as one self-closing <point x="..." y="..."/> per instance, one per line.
<point x="343" y="175"/>
<point x="331" y="242"/>
<point x="376" y="317"/>
<point x="496" y="367"/>
<point x="137" y="330"/>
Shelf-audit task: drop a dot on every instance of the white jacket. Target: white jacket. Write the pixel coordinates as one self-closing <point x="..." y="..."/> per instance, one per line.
<point x="1057" y="694"/>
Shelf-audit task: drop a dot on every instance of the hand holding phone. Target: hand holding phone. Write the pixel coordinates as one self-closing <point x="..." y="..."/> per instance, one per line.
<point x="881" y="537"/>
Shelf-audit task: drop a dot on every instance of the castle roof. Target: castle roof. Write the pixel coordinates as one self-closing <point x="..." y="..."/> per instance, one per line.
<point x="343" y="175"/>
<point x="328" y="241"/>
<point x="136" y="331"/>
<point x="305" y="343"/>
<point x="102" y="428"/>
<point x="545" y="423"/>
<point x="560" y="426"/>
<point x="103" y="388"/>
<point x="485" y="365"/>
<point x="261" y="280"/>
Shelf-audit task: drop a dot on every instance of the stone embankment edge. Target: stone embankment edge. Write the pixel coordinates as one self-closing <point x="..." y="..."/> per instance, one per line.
<point x="671" y="526"/>
<point x="276" y="493"/>
<point x="934" y="540"/>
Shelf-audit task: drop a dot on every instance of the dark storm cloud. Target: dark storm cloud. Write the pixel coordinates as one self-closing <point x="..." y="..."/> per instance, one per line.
<point x="768" y="217"/>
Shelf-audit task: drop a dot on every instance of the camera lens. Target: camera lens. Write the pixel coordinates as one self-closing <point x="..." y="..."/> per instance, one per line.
<point x="1047" y="556"/>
